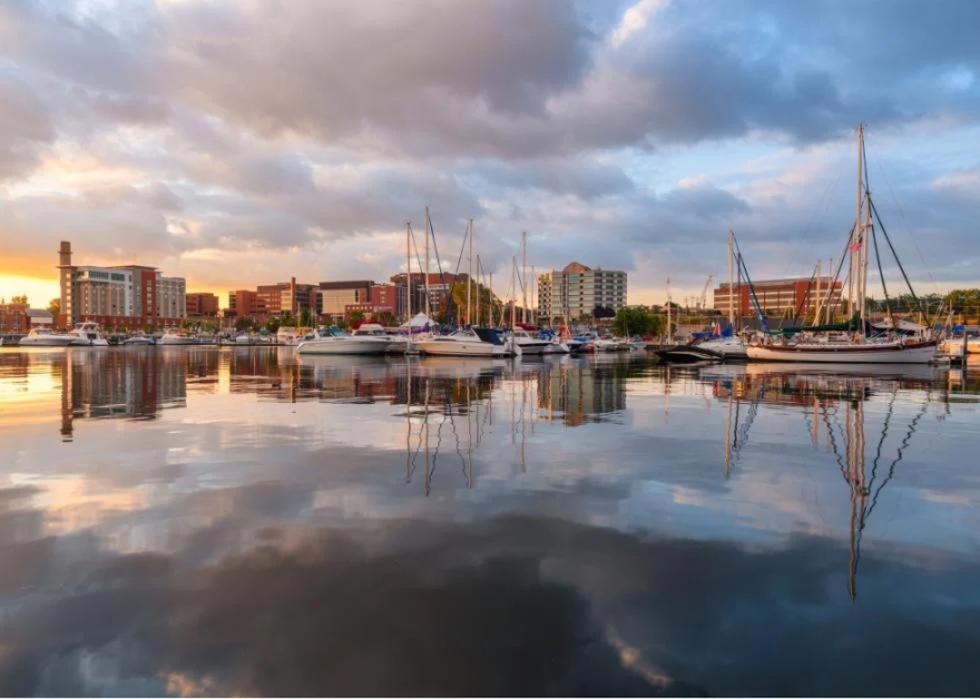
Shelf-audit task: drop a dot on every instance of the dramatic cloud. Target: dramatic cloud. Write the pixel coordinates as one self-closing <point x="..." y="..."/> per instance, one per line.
<point x="288" y="130"/>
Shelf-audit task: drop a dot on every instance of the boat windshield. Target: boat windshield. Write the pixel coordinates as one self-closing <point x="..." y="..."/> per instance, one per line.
<point x="491" y="335"/>
<point x="333" y="331"/>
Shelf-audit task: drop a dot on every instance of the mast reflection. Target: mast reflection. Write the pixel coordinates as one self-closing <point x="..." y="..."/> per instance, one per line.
<point x="833" y="406"/>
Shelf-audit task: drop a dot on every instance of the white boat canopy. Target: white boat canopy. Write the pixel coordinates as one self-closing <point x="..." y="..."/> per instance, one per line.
<point x="419" y="320"/>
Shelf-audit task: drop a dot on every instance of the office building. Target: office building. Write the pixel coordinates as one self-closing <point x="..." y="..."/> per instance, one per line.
<point x="201" y="304"/>
<point x="123" y="296"/>
<point x="779" y="298"/>
<point x="574" y="292"/>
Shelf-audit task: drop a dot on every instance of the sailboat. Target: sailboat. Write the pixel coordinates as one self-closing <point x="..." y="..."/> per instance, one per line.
<point x="730" y="345"/>
<point x="856" y="347"/>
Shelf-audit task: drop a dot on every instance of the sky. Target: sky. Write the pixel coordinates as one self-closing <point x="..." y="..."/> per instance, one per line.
<point x="238" y="142"/>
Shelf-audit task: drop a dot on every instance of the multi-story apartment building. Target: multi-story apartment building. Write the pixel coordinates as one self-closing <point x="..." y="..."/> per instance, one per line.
<point x="118" y="296"/>
<point x="244" y="302"/>
<point x="779" y="298"/>
<point x="575" y="292"/>
<point x="336" y="296"/>
<point x="201" y="304"/>
<point x="285" y="297"/>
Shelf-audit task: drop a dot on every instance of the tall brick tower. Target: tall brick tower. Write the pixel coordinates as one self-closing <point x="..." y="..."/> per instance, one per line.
<point x="66" y="270"/>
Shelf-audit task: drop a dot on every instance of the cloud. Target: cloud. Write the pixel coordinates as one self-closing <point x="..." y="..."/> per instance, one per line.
<point x="279" y="128"/>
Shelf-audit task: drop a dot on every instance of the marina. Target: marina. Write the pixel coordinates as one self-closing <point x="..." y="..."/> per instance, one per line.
<point x="385" y="510"/>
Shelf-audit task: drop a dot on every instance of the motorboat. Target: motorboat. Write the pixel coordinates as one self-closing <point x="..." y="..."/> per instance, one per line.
<point x="687" y="353"/>
<point x="333" y="340"/>
<point x="140" y="340"/>
<point x="172" y="337"/>
<point x="528" y="343"/>
<point x="556" y="346"/>
<point x="45" y="337"/>
<point x="474" y="342"/>
<point x="953" y="346"/>
<point x="727" y="347"/>
<point x="87" y="335"/>
<point x="396" y="343"/>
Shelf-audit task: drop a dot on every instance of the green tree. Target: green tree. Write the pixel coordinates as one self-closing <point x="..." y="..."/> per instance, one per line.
<point x="636" y="321"/>
<point x="54" y="307"/>
<point x="355" y="318"/>
<point x="272" y="325"/>
<point x="243" y="323"/>
<point x="20" y="299"/>
<point x="386" y="319"/>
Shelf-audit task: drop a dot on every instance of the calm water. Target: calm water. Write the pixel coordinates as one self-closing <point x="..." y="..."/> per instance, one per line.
<point x="238" y="521"/>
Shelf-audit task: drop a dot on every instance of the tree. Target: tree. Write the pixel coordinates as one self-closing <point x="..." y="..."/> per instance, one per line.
<point x="272" y="325"/>
<point x="636" y="321"/>
<point x="54" y="307"/>
<point x="386" y="319"/>
<point x="603" y="312"/>
<point x="20" y="299"/>
<point x="243" y="323"/>
<point x="355" y="318"/>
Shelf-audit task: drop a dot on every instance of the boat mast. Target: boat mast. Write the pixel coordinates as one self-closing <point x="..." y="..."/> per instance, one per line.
<point x="524" y="275"/>
<point x="817" y="297"/>
<point x="408" y="270"/>
<point x="668" y="311"/>
<point x="513" y="298"/>
<point x="428" y="310"/>
<point x="864" y="211"/>
<point x="731" y="280"/>
<point x="469" y="280"/>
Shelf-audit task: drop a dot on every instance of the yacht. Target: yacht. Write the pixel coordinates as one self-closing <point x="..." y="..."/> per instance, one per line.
<point x="396" y="343"/>
<point x="727" y="347"/>
<point x="172" y="337"/>
<point x="140" y="340"/>
<point x="528" y="343"/>
<point x="87" y="335"/>
<point x="45" y="337"/>
<point x="333" y="340"/>
<point x="475" y="342"/>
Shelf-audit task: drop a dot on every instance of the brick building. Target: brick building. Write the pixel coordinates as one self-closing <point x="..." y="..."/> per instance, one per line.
<point x="119" y="296"/>
<point x="779" y="298"/>
<point x="14" y="319"/>
<point x="201" y="304"/>
<point x="439" y="285"/>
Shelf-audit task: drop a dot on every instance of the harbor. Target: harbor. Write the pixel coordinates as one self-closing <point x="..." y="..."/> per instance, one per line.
<point x="290" y="517"/>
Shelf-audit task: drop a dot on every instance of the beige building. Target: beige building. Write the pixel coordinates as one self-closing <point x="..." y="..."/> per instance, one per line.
<point x="575" y="292"/>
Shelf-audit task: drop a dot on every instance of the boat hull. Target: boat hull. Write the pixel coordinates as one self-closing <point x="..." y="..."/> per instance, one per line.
<point x="885" y="353"/>
<point x="456" y="348"/>
<point x="45" y="341"/>
<point x="687" y="353"/>
<point x="343" y="345"/>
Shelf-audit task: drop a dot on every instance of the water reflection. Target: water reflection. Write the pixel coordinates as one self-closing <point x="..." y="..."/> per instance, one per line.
<point x="832" y="404"/>
<point x="240" y="521"/>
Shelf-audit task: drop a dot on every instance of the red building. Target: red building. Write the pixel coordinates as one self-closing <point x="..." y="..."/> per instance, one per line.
<point x="780" y="298"/>
<point x="202" y="305"/>
<point x="13" y="318"/>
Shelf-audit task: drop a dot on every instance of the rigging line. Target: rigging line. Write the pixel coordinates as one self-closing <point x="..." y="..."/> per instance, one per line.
<point x="881" y="273"/>
<point x="881" y="442"/>
<point x="755" y="298"/>
<point x="840" y="266"/>
<point x="806" y="296"/>
<point x="888" y="240"/>
<point x="452" y="423"/>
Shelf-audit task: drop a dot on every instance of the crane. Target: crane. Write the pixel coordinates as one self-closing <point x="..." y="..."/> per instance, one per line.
<point x="703" y="299"/>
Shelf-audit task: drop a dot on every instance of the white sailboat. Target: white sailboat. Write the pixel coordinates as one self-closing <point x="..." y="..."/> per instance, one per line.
<point x="856" y="348"/>
<point x="732" y="347"/>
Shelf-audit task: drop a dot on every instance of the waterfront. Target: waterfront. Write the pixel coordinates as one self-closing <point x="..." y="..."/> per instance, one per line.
<point x="242" y="521"/>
